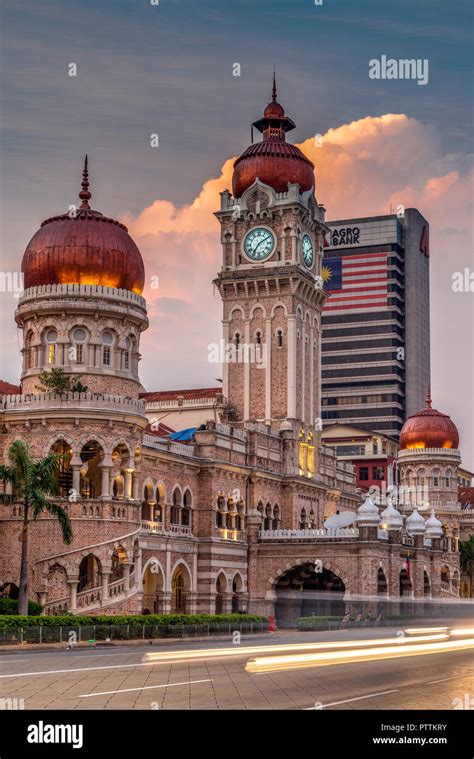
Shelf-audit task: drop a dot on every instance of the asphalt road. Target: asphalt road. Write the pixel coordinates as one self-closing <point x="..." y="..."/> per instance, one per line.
<point x="126" y="678"/>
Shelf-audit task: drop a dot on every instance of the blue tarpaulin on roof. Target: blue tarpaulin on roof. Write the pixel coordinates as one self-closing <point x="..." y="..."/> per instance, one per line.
<point x="183" y="435"/>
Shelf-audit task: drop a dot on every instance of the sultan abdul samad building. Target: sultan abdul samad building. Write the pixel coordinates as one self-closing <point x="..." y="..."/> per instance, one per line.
<point x="233" y="518"/>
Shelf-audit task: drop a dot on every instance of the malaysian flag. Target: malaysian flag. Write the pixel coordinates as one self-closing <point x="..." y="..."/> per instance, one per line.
<point x="356" y="282"/>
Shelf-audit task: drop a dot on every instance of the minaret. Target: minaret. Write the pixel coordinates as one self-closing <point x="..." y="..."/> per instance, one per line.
<point x="82" y="309"/>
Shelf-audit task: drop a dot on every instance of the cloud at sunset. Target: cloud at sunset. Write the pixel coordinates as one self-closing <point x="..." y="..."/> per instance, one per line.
<point x="362" y="168"/>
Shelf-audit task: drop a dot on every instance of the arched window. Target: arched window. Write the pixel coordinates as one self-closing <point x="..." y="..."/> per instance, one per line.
<point x="303" y="519"/>
<point x="237" y="340"/>
<point x="276" y="517"/>
<point x="107" y="342"/>
<point x="258" y="338"/>
<point x="186" y="512"/>
<point x="127" y="355"/>
<point x="176" y="507"/>
<point x="51" y="340"/>
<point x="79" y="337"/>
<point x="29" y="352"/>
<point x="279" y="337"/>
<point x="63" y="449"/>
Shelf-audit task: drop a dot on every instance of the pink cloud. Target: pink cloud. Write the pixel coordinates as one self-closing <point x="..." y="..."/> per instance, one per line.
<point x="363" y="168"/>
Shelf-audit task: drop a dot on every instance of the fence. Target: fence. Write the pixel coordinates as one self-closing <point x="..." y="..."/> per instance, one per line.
<point x="84" y="633"/>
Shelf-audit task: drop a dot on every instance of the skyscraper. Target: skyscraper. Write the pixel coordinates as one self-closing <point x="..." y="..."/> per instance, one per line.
<point x="376" y="331"/>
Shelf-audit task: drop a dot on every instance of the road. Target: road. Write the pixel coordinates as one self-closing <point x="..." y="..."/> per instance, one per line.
<point x="213" y="675"/>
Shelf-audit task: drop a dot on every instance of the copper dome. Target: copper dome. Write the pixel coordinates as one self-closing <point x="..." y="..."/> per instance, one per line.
<point x="85" y="248"/>
<point x="273" y="161"/>
<point x="429" y="429"/>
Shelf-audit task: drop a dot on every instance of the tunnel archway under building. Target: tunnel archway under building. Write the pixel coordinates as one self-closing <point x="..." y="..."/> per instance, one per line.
<point x="303" y="591"/>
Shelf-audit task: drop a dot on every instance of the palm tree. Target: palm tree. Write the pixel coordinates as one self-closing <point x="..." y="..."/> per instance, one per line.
<point x="466" y="549"/>
<point x="32" y="480"/>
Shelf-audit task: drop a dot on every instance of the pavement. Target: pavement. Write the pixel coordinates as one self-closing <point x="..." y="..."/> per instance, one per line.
<point x="212" y="675"/>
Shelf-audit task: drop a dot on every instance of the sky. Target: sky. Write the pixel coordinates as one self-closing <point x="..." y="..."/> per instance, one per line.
<point x="167" y="69"/>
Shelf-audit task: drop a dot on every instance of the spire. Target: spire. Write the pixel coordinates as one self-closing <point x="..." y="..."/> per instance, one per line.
<point x="274" y="89"/>
<point x="85" y="194"/>
<point x="428" y="396"/>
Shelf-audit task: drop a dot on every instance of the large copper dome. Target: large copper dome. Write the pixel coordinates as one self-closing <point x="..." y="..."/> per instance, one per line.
<point x="274" y="161"/>
<point x="83" y="247"/>
<point x="429" y="429"/>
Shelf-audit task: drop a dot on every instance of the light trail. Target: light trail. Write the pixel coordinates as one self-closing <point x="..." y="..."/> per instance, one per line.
<point x="300" y="661"/>
<point x="217" y="653"/>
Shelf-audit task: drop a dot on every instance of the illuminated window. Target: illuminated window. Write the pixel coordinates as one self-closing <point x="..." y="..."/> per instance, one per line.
<point x="51" y="338"/>
<point x="302" y="454"/>
<point x="79" y="337"/>
<point x="310" y="456"/>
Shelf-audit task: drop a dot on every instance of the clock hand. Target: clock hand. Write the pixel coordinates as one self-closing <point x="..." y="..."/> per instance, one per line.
<point x="259" y="244"/>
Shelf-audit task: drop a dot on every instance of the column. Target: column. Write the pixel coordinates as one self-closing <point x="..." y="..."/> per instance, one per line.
<point x="135" y="481"/>
<point x="105" y="585"/>
<point x="128" y="483"/>
<point x="72" y="594"/>
<point x="311" y="378"/>
<point x="303" y="371"/>
<point x="268" y="370"/>
<point x="246" y="371"/>
<point x="106" y="466"/>
<point x="126" y="577"/>
<point x="291" y="377"/>
<point x="76" y="466"/>
<point x="225" y="365"/>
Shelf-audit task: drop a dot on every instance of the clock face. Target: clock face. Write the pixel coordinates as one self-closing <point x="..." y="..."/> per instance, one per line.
<point x="307" y="250"/>
<point x="259" y="244"/>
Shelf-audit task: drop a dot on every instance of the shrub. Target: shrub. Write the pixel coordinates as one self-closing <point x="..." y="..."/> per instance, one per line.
<point x="129" y="619"/>
<point x="315" y="623"/>
<point x="9" y="606"/>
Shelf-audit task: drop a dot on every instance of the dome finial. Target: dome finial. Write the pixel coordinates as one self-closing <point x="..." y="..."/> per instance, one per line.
<point x="428" y="396"/>
<point x="85" y="194"/>
<point x="274" y="89"/>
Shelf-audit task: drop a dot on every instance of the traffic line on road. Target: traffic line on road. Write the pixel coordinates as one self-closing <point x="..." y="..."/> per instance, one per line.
<point x="452" y="677"/>
<point x="11" y="661"/>
<point x="145" y="687"/>
<point x="80" y="669"/>
<point x="348" y="700"/>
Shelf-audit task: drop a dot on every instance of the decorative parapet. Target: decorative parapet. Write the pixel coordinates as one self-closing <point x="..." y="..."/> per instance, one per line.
<point x="322" y="534"/>
<point x="69" y="400"/>
<point x="39" y="291"/>
<point x="165" y="445"/>
<point x="428" y="453"/>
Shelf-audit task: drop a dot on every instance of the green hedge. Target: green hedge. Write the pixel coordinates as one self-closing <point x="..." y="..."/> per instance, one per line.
<point x="10" y="606"/>
<point x="69" y="620"/>
<point x="315" y="623"/>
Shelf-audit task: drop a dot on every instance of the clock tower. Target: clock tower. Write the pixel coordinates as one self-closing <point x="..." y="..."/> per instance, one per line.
<point x="270" y="282"/>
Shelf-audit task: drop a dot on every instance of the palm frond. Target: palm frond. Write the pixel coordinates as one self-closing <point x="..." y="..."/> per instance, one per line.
<point x="63" y="518"/>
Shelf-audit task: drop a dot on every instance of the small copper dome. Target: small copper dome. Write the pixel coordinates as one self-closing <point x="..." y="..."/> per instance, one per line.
<point x="83" y="247"/>
<point x="273" y="161"/>
<point x="274" y="111"/>
<point x="429" y="429"/>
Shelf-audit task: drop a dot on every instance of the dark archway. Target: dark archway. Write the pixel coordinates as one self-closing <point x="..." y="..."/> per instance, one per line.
<point x="382" y="586"/>
<point x="405" y="584"/>
<point x="303" y="592"/>
<point x="89" y="573"/>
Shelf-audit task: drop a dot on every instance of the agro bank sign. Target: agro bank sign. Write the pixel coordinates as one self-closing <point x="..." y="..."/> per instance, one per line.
<point x="364" y="233"/>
